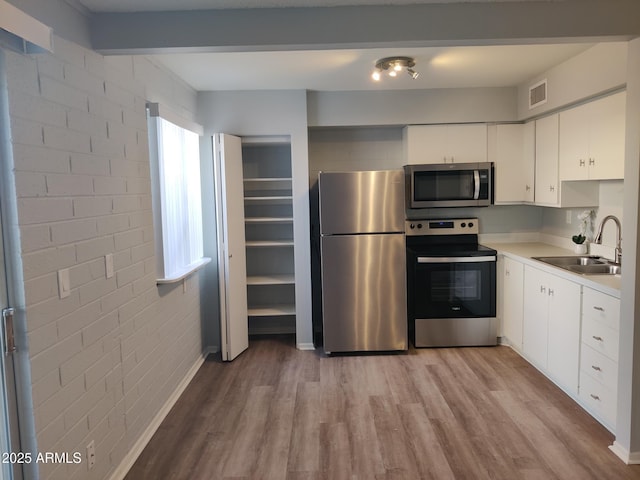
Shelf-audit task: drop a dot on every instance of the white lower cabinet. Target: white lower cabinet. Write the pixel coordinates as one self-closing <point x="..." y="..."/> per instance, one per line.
<point x="599" y="355"/>
<point x="512" y="301"/>
<point x="551" y="326"/>
<point x="569" y="331"/>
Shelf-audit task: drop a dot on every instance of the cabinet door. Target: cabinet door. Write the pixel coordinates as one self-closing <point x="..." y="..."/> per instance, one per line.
<point x="529" y="158"/>
<point x="425" y="144"/>
<point x="563" y="352"/>
<point x="505" y="147"/>
<point x="547" y="186"/>
<point x="445" y="144"/>
<point x="512" y="149"/>
<point x="536" y="308"/>
<point x="607" y="137"/>
<point x="574" y="143"/>
<point x="466" y="143"/>
<point x="513" y="301"/>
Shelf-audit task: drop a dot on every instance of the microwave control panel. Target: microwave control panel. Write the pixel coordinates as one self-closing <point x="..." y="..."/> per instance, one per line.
<point x="456" y="226"/>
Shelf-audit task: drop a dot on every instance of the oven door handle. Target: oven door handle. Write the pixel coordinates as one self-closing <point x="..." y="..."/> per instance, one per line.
<point x="488" y="258"/>
<point x="476" y="182"/>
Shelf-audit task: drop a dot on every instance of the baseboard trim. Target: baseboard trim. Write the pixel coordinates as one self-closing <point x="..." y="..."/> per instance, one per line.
<point x="630" y="458"/>
<point x="137" y="448"/>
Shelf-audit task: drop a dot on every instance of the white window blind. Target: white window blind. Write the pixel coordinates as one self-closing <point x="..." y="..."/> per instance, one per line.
<point x="175" y="157"/>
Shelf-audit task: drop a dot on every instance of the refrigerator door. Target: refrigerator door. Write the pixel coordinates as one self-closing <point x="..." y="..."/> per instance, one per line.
<point x="364" y="293"/>
<point x="361" y="202"/>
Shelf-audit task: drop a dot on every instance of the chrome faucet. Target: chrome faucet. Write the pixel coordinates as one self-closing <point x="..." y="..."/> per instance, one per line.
<point x="598" y="239"/>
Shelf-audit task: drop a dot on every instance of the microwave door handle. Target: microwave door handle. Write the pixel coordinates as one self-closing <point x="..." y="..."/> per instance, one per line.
<point x="476" y="182"/>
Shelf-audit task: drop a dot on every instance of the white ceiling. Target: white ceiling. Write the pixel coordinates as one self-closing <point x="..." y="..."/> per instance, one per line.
<point x="439" y="67"/>
<point x="347" y="69"/>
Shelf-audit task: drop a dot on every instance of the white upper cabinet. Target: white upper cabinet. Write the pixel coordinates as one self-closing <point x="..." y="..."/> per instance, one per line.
<point x="547" y="182"/>
<point x="512" y="149"/>
<point x="549" y="190"/>
<point x="592" y="140"/>
<point x="445" y="143"/>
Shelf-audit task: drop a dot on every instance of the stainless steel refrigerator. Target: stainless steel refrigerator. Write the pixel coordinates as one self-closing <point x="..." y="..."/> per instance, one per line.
<point x="364" y="306"/>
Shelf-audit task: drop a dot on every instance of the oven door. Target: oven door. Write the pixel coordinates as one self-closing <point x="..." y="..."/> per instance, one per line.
<point x="454" y="287"/>
<point x="452" y="301"/>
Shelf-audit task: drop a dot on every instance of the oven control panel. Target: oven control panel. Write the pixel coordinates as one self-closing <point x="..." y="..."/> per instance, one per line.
<point x="441" y="226"/>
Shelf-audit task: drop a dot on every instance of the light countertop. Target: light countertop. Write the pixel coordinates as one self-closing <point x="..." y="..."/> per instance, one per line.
<point x="523" y="252"/>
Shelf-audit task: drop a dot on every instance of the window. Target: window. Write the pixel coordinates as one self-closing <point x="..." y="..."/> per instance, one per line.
<point x="177" y="203"/>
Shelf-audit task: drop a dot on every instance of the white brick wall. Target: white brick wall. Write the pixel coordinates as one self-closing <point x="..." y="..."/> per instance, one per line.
<point x="105" y="359"/>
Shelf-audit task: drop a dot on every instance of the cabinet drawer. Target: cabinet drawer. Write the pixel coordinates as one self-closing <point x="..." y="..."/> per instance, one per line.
<point x="599" y="367"/>
<point x="601" y="307"/>
<point x="598" y="398"/>
<point x="600" y="337"/>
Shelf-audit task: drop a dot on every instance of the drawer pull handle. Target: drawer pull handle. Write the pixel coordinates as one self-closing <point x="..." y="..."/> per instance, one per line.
<point x="597" y="338"/>
<point x="595" y="397"/>
<point x="600" y="309"/>
<point x="596" y="368"/>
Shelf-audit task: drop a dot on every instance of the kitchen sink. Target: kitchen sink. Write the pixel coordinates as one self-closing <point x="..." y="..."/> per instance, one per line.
<point x="606" y="269"/>
<point x="585" y="264"/>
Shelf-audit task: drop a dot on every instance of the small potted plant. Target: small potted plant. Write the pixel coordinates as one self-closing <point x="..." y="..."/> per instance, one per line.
<point x="586" y="228"/>
<point x="580" y="246"/>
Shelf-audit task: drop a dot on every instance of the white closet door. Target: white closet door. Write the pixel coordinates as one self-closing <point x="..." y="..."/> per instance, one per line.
<point x="232" y="269"/>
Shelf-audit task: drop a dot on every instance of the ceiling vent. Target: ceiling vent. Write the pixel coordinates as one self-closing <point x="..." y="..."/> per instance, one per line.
<point x="538" y="94"/>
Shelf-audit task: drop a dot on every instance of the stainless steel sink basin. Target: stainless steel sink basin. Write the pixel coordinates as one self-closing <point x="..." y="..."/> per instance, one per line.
<point x="584" y="264"/>
<point x="611" y="269"/>
<point x="572" y="260"/>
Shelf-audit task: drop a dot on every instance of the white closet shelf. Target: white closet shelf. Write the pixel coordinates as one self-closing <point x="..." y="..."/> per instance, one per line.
<point x="268" y="220"/>
<point x="271" y="310"/>
<point x="274" y="279"/>
<point x="269" y="243"/>
<point x="270" y="200"/>
<point x="267" y="179"/>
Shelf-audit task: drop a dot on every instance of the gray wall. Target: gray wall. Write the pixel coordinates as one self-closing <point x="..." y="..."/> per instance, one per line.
<point x="402" y="107"/>
<point x="628" y="423"/>
<point x="601" y="68"/>
<point x="107" y="359"/>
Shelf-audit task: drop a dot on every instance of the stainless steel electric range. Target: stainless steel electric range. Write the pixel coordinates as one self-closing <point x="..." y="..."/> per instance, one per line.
<point x="451" y="281"/>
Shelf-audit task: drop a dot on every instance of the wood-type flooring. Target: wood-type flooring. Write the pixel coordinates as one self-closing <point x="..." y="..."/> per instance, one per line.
<point x="458" y="413"/>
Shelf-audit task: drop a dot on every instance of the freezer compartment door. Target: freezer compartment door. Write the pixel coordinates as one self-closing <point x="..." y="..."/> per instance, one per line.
<point x="361" y="202"/>
<point x="364" y="293"/>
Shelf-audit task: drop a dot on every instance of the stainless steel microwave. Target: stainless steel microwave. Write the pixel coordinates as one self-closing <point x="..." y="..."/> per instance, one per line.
<point x="449" y="185"/>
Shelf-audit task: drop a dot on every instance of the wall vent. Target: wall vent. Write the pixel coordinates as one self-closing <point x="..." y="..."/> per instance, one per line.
<point x="538" y="94"/>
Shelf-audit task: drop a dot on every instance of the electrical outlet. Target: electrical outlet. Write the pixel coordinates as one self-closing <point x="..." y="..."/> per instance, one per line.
<point x="91" y="455"/>
<point x="568" y="217"/>
<point x="108" y="264"/>
<point x="64" y="283"/>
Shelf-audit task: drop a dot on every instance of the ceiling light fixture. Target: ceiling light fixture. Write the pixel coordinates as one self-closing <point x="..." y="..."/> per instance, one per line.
<point x="393" y="65"/>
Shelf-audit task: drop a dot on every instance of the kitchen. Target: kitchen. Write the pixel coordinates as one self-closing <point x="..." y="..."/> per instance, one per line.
<point x="349" y="148"/>
<point x="327" y="112"/>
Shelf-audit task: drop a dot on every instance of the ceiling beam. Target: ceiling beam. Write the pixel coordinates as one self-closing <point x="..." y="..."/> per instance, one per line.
<point x="365" y="26"/>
